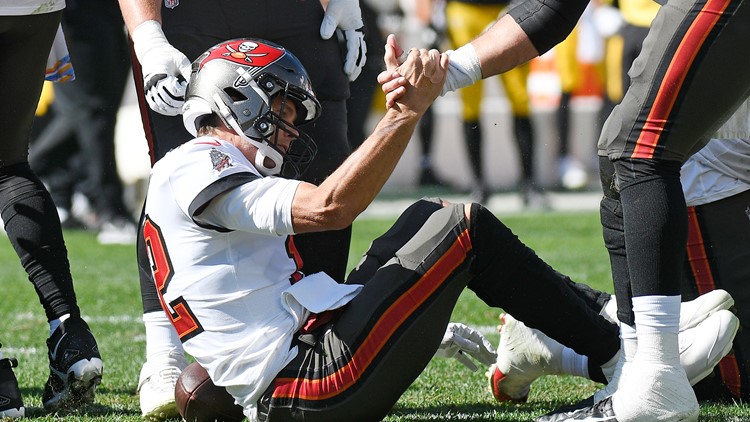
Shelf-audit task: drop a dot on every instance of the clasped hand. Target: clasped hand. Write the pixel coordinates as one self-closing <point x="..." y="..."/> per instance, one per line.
<point x="412" y="79"/>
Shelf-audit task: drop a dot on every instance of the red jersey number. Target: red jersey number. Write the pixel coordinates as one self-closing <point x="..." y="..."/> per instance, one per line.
<point x="178" y="310"/>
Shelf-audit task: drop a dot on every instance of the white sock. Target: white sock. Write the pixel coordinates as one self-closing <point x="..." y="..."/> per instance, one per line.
<point x="56" y="323"/>
<point x="655" y="387"/>
<point x="574" y="364"/>
<point x="657" y="322"/>
<point x="161" y="337"/>
<point x="629" y="341"/>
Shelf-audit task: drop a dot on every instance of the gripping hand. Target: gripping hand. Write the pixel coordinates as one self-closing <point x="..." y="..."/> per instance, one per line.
<point x="463" y="343"/>
<point x="165" y="69"/>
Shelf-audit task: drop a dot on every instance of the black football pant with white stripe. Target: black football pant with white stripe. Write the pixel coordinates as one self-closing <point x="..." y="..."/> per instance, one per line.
<point x="357" y="366"/>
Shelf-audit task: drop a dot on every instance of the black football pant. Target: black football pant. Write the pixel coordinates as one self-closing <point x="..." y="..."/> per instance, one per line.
<point x="357" y="366"/>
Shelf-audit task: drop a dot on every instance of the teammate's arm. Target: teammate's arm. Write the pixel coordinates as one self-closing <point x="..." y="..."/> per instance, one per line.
<point x="135" y="12"/>
<point x="165" y="69"/>
<point x="528" y="30"/>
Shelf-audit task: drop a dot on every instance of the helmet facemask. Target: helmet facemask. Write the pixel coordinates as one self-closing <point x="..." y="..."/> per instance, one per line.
<point x="271" y="124"/>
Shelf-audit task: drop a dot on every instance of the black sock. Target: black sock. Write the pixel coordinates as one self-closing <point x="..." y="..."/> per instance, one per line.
<point x="655" y="224"/>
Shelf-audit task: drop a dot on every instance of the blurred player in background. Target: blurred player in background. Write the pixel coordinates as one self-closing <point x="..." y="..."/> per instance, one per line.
<point x="465" y="20"/>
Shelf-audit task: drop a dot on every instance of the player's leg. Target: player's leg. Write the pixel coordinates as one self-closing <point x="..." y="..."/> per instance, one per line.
<point x="360" y="365"/>
<point x="515" y="84"/>
<point x="30" y="217"/>
<point x="675" y="89"/>
<point x="503" y="272"/>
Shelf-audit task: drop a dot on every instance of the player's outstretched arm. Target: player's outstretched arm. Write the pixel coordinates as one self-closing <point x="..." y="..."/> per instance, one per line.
<point x="352" y="187"/>
<point x="504" y="46"/>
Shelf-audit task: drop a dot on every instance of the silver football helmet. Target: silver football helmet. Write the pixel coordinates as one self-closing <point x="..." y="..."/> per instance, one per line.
<point x="237" y="80"/>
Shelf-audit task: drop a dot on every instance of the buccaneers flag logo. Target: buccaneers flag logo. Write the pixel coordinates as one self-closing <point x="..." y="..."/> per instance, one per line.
<point x="245" y="53"/>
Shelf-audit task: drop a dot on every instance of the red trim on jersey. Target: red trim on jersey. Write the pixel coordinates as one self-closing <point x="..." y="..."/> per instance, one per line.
<point x="674" y="77"/>
<point x="389" y="322"/>
<point x="730" y="374"/>
<point x="697" y="255"/>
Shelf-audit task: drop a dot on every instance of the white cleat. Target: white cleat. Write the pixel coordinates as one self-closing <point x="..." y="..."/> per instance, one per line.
<point x="692" y="312"/>
<point x="705" y="305"/>
<point x="702" y="347"/>
<point x="156" y="387"/>
<point x="523" y="355"/>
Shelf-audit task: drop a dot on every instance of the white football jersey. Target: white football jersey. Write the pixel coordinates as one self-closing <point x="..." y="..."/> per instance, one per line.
<point x="224" y="263"/>
<point x="721" y="168"/>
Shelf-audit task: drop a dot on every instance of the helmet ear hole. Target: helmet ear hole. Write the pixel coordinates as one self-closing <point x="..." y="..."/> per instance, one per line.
<point x="234" y="94"/>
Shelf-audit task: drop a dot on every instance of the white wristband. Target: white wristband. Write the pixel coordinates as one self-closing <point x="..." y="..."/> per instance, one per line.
<point x="146" y="36"/>
<point x="463" y="68"/>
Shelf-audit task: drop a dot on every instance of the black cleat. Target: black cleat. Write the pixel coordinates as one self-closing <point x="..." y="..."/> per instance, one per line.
<point x="75" y="367"/>
<point x="11" y="404"/>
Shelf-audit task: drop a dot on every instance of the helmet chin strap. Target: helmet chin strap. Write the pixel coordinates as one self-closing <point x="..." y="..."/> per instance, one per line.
<point x="264" y="151"/>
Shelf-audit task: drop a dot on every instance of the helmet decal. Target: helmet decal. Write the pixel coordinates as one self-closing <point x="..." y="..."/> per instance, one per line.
<point x="245" y="53"/>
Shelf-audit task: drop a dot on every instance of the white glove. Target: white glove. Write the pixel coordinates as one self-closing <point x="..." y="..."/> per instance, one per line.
<point x="165" y="69"/>
<point x="356" y="51"/>
<point x="346" y="16"/>
<point x="461" y="341"/>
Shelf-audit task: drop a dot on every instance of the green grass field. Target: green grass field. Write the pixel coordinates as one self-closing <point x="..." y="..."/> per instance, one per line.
<point x="108" y="293"/>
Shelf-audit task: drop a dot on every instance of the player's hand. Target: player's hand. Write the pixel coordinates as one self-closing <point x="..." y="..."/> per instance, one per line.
<point x="356" y="51"/>
<point x="463" y="343"/>
<point x="391" y="80"/>
<point x="346" y="16"/>
<point x="424" y="74"/>
<point x="166" y="70"/>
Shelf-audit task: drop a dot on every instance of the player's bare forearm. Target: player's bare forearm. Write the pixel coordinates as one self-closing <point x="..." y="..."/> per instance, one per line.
<point x="503" y="47"/>
<point x="135" y="12"/>
<point x="352" y="187"/>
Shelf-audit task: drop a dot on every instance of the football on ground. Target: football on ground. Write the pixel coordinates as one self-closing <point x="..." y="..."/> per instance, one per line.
<point x="199" y="400"/>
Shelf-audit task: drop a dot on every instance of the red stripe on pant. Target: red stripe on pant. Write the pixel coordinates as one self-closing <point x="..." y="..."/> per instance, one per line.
<point x="390" y="321"/>
<point x="704" y="280"/>
<point x="697" y="255"/>
<point x="675" y="75"/>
